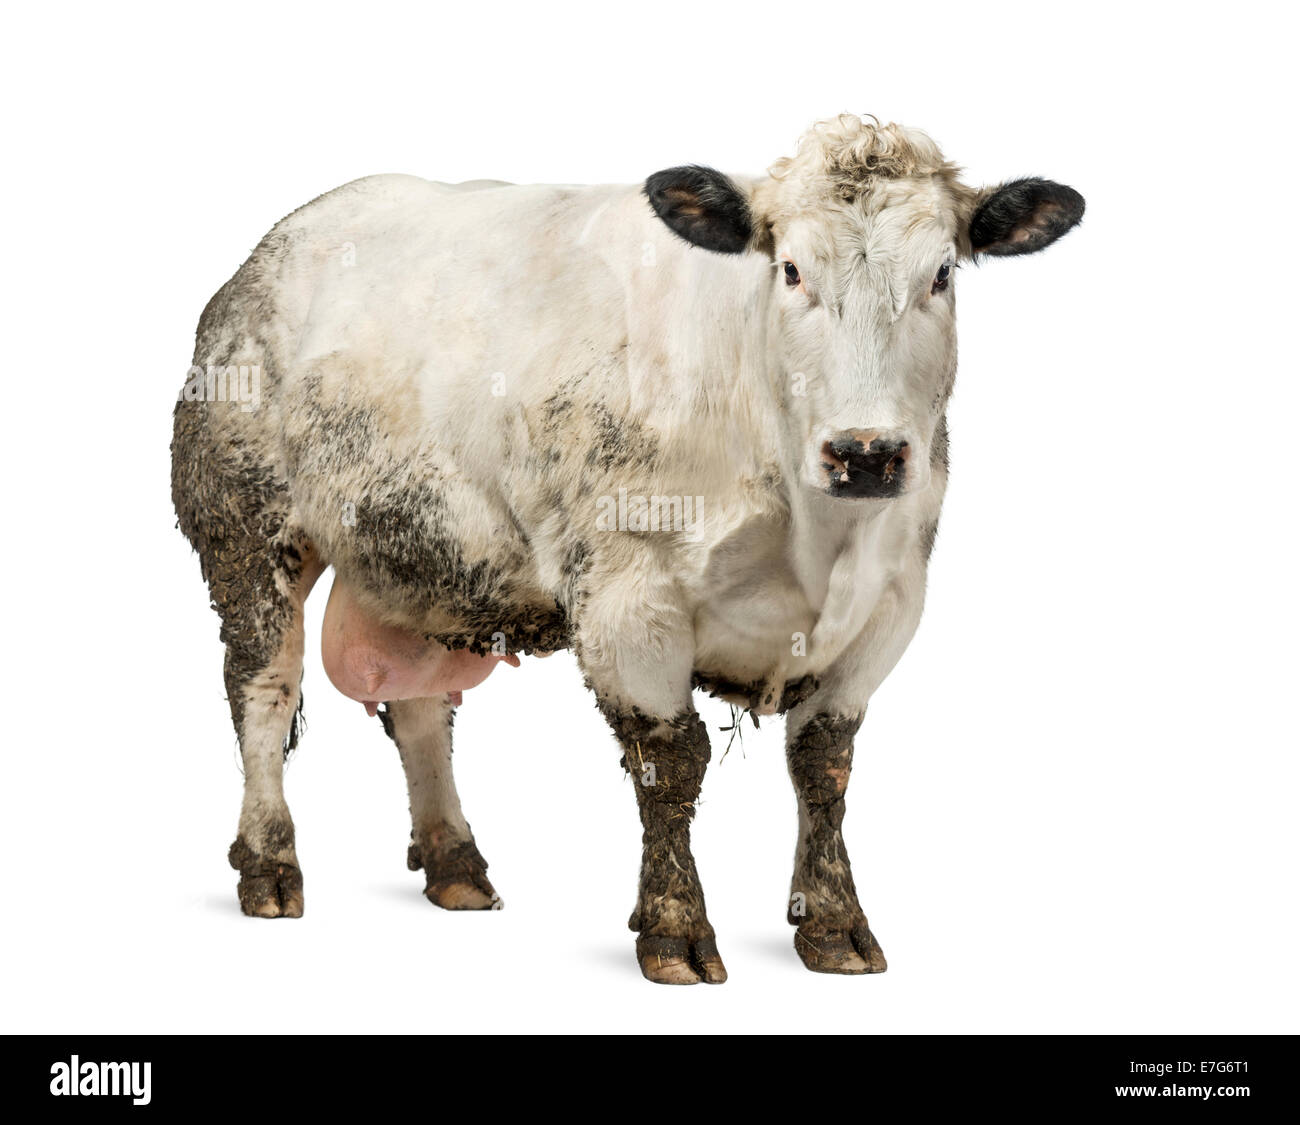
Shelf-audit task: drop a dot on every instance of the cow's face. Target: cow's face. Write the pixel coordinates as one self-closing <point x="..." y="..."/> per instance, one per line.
<point x="865" y="228"/>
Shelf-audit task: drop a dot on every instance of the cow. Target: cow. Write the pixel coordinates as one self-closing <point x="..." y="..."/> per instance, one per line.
<point x="693" y="430"/>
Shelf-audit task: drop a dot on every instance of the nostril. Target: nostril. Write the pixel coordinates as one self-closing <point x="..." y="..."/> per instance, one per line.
<point x="836" y="451"/>
<point x="843" y="447"/>
<point x="885" y="447"/>
<point x="896" y="461"/>
<point x="836" y="464"/>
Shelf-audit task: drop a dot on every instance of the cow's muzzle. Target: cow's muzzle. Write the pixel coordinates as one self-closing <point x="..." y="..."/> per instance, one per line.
<point x="865" y="464"/>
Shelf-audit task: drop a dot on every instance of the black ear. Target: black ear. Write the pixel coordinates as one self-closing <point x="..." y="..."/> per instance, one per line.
<point x="1024" y="216"/>
<point x="702" y="206"/>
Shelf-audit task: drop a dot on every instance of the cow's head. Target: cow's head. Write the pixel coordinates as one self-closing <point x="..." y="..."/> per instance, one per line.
<point x="865" y="228"/>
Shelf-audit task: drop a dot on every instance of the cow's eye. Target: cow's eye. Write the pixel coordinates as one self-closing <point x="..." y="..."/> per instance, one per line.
<point x="941" y="278"/>
<point x="791" y="274"/>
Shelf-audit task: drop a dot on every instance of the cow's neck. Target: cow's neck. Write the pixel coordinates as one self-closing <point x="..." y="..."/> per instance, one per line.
<point x="712" y="386"/>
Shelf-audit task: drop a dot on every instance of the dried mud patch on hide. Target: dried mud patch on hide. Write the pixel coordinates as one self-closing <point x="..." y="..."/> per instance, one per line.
<point x="404" y="541"/>
<point x="524" y="628"/>
<point x="821" y="756"/>
<point x="527" y="630"/>
<point x="234" y="321"/>
<point x="232" y="508"/>
<point x="455" y="876"/>
<point x="832" y="934"/>
<point x="618" y="442"/>
<point x="268" y="887"/>
<point x="666" y="760"/>
<point x="407" y="544"/>
<point x="756" y="694"/>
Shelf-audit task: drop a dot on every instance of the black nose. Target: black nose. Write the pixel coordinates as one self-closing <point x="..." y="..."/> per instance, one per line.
<point x="861" y="465"/>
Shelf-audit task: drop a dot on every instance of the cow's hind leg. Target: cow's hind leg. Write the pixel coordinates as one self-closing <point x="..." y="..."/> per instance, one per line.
<point x="259" y="569"/>
<point x="264" y="686"/>
<point x="441" y="841"/>
<point x="261" y="606"/>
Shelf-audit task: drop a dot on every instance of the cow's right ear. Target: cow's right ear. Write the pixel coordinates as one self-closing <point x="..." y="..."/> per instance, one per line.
<point x="702" y="206"/>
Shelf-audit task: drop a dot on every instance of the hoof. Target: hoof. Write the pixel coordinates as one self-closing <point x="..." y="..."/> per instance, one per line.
<point x="463" y="896"/>
<point x="267" y="888"/>
<point x="846" y="952"/>
<point x="667" y="960"/>
<point x="455" y="878"/>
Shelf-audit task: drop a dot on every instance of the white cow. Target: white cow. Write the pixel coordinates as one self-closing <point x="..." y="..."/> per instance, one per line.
<point x="693" y="430"/>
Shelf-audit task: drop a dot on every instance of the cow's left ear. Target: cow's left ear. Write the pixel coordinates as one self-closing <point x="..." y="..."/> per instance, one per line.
<point x="1023" y="216"/>
<point x="703" y="206"/>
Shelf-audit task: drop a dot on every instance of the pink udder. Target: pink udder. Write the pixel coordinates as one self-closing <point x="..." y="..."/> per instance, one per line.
<point x="375" y="663"/>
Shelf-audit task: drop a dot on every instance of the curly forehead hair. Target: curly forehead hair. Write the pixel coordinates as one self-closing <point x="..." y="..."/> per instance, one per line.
<point x="840" y="158"/>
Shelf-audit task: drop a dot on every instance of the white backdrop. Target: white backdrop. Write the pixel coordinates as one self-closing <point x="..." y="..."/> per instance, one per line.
<point x="1088" y="826"/>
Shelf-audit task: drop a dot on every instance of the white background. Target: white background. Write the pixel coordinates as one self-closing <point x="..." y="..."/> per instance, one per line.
<point x="1074" y="807"/>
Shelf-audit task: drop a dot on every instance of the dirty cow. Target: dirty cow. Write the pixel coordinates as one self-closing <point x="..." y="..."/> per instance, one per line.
<point x="693" y="430"/>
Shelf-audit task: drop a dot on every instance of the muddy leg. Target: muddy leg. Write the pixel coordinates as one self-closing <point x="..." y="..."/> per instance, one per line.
<point x="233" y="504"/>
<point x="260" y="596"/>
<point x="667" y="759"/>
<point x="832" y="934"/>
<point x="265" y="708"/>
<point x="441" y="841"/>
<point x="259" y="573"/>
<point x="636" y="653"/>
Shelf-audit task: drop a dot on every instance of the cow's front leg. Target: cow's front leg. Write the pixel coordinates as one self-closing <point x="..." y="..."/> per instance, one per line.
<point x="666" y="757"/>
<point x="832" y="934"/>
<point x="639" y="665"/>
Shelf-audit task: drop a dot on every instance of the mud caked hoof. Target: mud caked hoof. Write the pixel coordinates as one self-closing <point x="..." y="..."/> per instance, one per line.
<point x="671" y="960"/>
<point x="267" y="888"/>
<point x="455" y="878"/>
<point x="847" y="952"/>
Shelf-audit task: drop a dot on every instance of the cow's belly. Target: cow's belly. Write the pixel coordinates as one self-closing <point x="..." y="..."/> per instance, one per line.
<point x="374" y="662"/>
